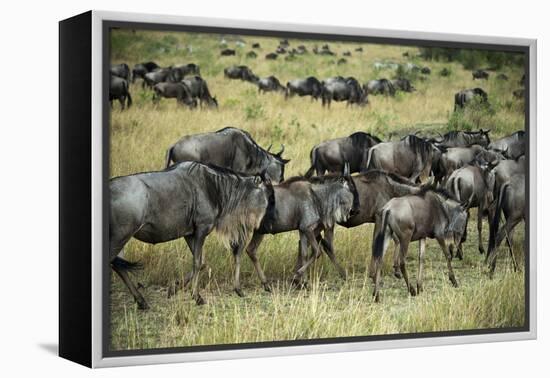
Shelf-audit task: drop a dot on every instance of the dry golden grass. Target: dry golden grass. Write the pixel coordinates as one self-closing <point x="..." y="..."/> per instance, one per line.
<point x="330" y="307"/>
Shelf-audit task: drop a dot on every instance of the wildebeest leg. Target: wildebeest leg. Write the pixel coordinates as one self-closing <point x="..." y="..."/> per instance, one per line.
<point x="121" y="99"/>
<point x="420" y="278"/>
<point x="195" y="243"/>
<point x="403" y="249"/>
<point x="302" y="254"/>
<point x="328" y="247"/>
<point x="447" y="254"/>
<point x="142" y="305"/>
<point x="459" y="249"/>
<point x="251" y="251"/>
<point x="504" y="232"/>
<point x="396" y="257"/>
<point x="317" y="252"/>
<point x="178" y="285"/>
<point x="237" y="251"/>
<point x="480" y="211"/>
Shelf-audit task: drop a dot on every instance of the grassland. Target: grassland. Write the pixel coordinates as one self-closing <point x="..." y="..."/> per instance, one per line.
<point x="330" y="307"/>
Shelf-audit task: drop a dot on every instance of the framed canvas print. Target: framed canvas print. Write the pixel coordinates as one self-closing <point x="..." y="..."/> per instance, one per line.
<point x="232" y="189"/>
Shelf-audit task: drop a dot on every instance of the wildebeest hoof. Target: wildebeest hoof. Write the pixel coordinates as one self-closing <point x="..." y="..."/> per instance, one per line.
<point x="412" y="291"/>
<point x="267" y="287"/>
<point x="397" y="274"/>
<point x="419" y="289"/>
<point x="239" y="292"/>
<point x="140" y="285"/>
<point x="200" y="301"/>
<point x="481" y="250"/>
<point x="299" y="284"/>
<point x="142" y="305"/>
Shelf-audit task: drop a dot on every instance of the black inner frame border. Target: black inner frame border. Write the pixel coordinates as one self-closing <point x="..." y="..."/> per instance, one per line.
<point x="107" y="25"/>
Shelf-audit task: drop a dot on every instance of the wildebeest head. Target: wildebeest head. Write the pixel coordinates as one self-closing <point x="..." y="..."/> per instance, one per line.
<point x="275" y="169"/>
<point x="345" y="197"/>
<point x="458" y="219"/>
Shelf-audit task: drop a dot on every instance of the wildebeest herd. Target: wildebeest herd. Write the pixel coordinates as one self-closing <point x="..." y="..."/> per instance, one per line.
<point x="417" y="188"/>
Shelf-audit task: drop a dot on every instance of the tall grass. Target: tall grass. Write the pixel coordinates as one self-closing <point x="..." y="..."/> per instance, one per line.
<point x="329" y="307"/>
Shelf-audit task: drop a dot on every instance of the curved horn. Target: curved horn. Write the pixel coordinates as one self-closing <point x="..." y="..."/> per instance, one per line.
<point x="282" y="150"/>
<point x="269" y="148"/>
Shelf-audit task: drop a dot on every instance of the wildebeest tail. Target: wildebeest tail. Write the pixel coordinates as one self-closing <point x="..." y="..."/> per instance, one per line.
<point x="379" y="239"/>
<point x="168" y="157"/>
<point x="493" y="230"/>
<point x="120" y="263"/>
<point x="310" y="171"/>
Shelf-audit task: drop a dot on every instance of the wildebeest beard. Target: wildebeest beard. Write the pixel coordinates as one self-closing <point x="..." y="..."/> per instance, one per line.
<point x="327" y="200"/>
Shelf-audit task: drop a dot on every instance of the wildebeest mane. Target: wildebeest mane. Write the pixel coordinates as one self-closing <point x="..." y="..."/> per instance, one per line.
<point x="437" y="190"/>
<point x="259" y="152"/>
<point x="331" y="177"/>
<point x="418" y="145"/>
<point x="363" y="140"/>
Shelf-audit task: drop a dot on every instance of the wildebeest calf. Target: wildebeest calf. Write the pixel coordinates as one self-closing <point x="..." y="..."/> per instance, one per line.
<point x="118" y="90"/>
<point x="179" y="91"/>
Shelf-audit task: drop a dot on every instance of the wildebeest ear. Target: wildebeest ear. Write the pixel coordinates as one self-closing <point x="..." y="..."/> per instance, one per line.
<point x="258" y="180"/>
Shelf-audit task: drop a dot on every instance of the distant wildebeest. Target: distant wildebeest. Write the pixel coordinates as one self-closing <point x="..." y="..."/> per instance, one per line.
<point x="240" y="72"/>
<point x="141" y="69"/>
<point x="480" y="74"/>
<point x="280" y="50"/>
<point x="381" y="86"/>
<point x="199" y="90"/>
<point x="189" y="200"/>
<point x="341" y="61"/>
<point x="118" y="90"/>
<point x="411" y="157"/>
<point x="284" y="43"/>
<point x="347" y="53"/>
<point x="301" y="50"/>
<point x="227" y="52"/>
<point x="331" y="155"/>
<point x="467" y="95"/>
<point x="359" y="49"/>
<point x="457" y="157"/>
<point x="270" y="84"/>
<point x="310" y="206"/>
<point x="179" y="72"/>
<point x="464" y="138"/>
<point x="251" y="54"/>
<point x="158" y="76"/>
<point x="432" y="213"/>
<point x="304" y="87"/>
<point x="343" y="89"/>
<point x="255" y="45"/>
<point x="445" y="72"/>
<point x="179" y="91"/>
<point x="121" y="70"/>
<point x="229" y="148"/>
<point x="471" y="183"/>
<point x="510" y="202"/>
<point x="425" y="71"/>
<point x="502" y="77"/>
<point x="519" y="93"/>
<point x="325" y="50"/>
<point x="271" y="56"/>
<point x="512" y="146"/>
<point x="403" y="85"/>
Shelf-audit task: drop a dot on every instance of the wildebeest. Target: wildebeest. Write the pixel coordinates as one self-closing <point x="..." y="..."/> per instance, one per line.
<point x="445" y="72"/>
<point x="457" y="157"/>
<point x="121" y="70"/>
<point x="118" y="90"/>
<point x="301" y="50"/>
<point x="425" y="70"/>
<point x="502" y="77"/>
<point x="229" y="148"/>
<point x="179" y="72"/>
<point x="511" y="146"/>
<point x="471" y="183"/>
<point x="284" y="43"/>
<point x="480" y="74"/>
<point x="270" y="84"/>
<point x="240" y="72"/>
<point x="359" y="49"/>
<point x="158" y="76"/>
<point x="179" y="91"/>
<point x="432" y="213"/>
<point x="227" y="52"/>
<point x="280" y="50"/>
<point x="331" y="155"/>
<point x="340" y="89"/>
<point x="324" y="51"/>
<point x="464" y="138"/>
<point x="251" y="54"/>
<point x="519" y="93"/>
<point x="347" y="53"/>
<point x="189" y="200"/>
<point x="141" y="69"/>
<point x="304" y="87"/>
<point x="505" y="170"/>
<point x="381" y="86"/>
<point x="255" y="45"/>
<point x="403" y="85"/>
<point x="467" y="95"/>
<point x="522" y="80"/>
<point x="411" y="157"/>
<point x="341" y="61"/>
<point x="510" y="202"/>
<point x="310" y="206"/>
<point x="271" y="56"/>
<point x="199" y="90"/>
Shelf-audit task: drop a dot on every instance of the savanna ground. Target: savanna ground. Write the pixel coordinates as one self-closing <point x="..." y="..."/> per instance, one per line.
<point x="330" y="307"/>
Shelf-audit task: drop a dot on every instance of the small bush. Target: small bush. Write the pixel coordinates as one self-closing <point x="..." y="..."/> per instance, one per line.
<point x="253" y="111"/>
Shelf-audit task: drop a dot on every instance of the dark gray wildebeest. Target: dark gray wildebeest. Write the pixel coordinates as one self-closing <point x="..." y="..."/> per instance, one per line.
<point x="343" y="89"/>
<point x="510" y="202"/>
<point x="227" y="52"/>
<point x="403" y="85"/>
<point x="519" y="93"/>
<point x="359" y="49"/>
<point x="425" y="70"/>
<point x="381" y="86"/>
<point x="480" y="74"/>
<point x="310" y="206"/>
<point x="505" y="170"/>
<point x="280" y="50"/>
<point x="511" y="146"/>
<point x="229" y="148"/>
<point x="473" y="183"/>
<point x="121" y="70"/>
<point x="189" y="200"/>
<point x="432" y="213"/>
<point x="199" y="90"/>
<point x="301" y="50"/>
<point x="179" y="91"/>
<point x="331" y="155"/>
<point x="347" y="53"/>
<point x="251" y="54"/>
<point x="118" y="90"/>
<point x="158" y="76"/>
<point x="457" y="157"/>
<point x="411" y="157"/>
<point x="240" y="72"/>
<point x="463" y="138"/>
<point x="179" y="72"/>
<point x="464" y="97"/>
<point x="304" y="87"/>
<point x="272" y="56"/>
<point x="140" y="69"/>
<point x="256" y="45"/>
<point x="270" y="84"/>
<point x="284" y="43"/>
<point x="502" y="77"/>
